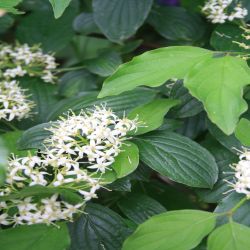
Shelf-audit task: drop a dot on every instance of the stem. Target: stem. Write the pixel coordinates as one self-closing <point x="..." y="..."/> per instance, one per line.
<point x="69" y="69"/>
<point x="238" y="205"/>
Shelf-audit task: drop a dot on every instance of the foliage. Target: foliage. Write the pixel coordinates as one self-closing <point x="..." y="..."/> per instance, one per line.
<point x="140" y="106"/>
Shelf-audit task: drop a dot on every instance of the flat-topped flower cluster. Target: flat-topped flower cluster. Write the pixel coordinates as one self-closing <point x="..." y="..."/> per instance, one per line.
<point x="18" y="61"/>
<point x="220" y="11"/>
<point x="80" y="149"/>
<point x="21" y="60"/>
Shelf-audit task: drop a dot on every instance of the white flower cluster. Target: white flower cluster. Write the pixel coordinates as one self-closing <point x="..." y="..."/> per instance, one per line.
<point x="80" y="149"/>
<point x="13" y="101"/>
<point x="219" y="11"/>
<point x="45" y="211"/>
<point x="241" y="182"/>
<point x="21" y="60"/>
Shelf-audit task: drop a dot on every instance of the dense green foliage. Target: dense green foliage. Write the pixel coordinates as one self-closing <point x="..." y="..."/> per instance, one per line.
<point x="183" y="79"/>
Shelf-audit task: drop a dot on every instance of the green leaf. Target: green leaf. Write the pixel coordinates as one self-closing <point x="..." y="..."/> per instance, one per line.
<point x="120" y="19"/>
<point x="40" y="27"/>
<point x="105" y="64"/>
<point x="179" y="158"/>
<point x="98" y="228"/>
<point x="231" y="236"/>
<point x="140" y="207"/>
<point x="43" y="191"/>
<point x="34" y="137"/>
<point x="3" y="161"/>
<point x="35" y="237"/>
<point x="127" y="160"/>
<point x="43" y="95"/>
<point x="176" y="23"/>
<point x="153" y="68"/>
<point x="224" y="158"/>
<point x="85" y="24"/>
<point x="242" y="131"/>
<point x="224" y="37"/>
<point x="74" y="82"/>
<point x="151" y="115"/>
<point x="218" y="83"/>
<point x="10" y="140"/>
<point x="189" y="105"/>
<point x="124" y="102"/>
<point x="241" y="215"/>
<point x="6" y="21"/>
<point x="59" y="6"/>
<point x="230" y="142"/>
<point x="178" y="230"/>
<point x="8" y="5"/>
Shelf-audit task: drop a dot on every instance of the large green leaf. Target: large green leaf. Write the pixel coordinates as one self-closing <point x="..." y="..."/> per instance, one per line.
<point x="153" y="68"/>
<point x="224" y="37"/>
<point x="124" y="102"/>
<point x="224" y="158"/>
<point x="242" y="131"/>
<point x="74" y="82"/>
<point x="178" y="230"/>
<point x="85" y="24"/>
<point x="59" y="6"/>
<point x="127" y="160"/>
<point x="105" y="64"/>
<point x="241" y="215"/>
<point x="189" y="106"/>
<point x="151" y="115"/>
<point x="231" y="236"/>
<point x="230" y="142"/>
<point x="140" y="207"/>
<point x="218" y="83"/>
<point x="43" y="95"/>
<point x="176" y="23"/>
<point x="6" y="21"/>
<point x="10" y="140"/>
<point x="99" y="228"/>
<point x="34" y="137"/>
<point x="179" y="158"/>
<point x="40" y="27"/>
<point x="35" y="237"/>
<point x="119" y="19"/>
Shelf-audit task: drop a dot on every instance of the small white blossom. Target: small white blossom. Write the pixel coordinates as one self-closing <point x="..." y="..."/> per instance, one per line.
<point x="13" y="101"/>
<point x="217" y="11"/>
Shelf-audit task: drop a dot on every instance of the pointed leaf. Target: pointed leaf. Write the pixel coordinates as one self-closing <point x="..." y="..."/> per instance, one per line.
<point x="153" y="68"/>
<point x="59" y="6"/>
<point x="35" y="237"/>
<point x="127" y="160"/>
<point x="231" y="236"/>
<point x="120" y="19"/>
<point x="218" y="83"/>
<point x="178" y="230"/>
<point x="179" y="158"/>
<point x="151" y="115"/>
<point x="242" y="131"/>
<point x="98" y="228"/>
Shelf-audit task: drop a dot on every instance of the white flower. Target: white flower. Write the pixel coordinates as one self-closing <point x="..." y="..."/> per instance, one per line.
<point x="13" y="101"/>
<point x="4" y="219"/>
<point x="241" y="182"/>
